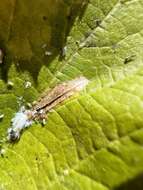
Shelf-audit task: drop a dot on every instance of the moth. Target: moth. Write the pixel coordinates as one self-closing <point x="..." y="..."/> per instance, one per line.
<point x="24" y="117"/>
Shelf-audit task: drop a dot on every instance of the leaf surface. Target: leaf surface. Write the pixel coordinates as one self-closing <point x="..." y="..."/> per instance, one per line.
<point x="95" y="139"/>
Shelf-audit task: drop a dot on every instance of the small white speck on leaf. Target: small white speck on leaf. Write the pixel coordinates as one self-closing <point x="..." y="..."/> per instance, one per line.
<point x="29" y="105"/>
<point x="64" y="51"/>
<point x="2" y="152"/>
<point x="1" y="116"/>
<point x="28" y="84"/>
<point x="44" y="46"/>
<point x="20" y="100"/>
<point x="48" y="53"/>
<point x="44" y="122"/>
<point x="81" y="45"/>
<point x="66" y="172"/>
<point x="10" y="84"/>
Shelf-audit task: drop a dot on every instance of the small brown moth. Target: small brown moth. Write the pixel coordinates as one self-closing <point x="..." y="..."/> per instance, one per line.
<point x="48" y="101"/>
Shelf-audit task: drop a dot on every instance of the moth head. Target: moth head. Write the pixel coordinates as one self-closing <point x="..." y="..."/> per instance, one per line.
<point x="13" y="135"/>
<point x="18" y="123"/>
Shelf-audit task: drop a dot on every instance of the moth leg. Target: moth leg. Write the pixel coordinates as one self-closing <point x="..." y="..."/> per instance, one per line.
<point x="41" y="117"/>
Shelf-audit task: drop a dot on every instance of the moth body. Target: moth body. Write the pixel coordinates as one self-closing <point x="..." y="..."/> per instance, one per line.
<point x="24" y="118"/>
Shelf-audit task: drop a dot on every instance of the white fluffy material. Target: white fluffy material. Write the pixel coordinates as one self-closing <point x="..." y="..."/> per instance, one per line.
<point x="19" y="122"/>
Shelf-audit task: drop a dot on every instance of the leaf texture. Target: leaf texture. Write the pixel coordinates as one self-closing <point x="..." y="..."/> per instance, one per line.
<point x="95" y="139"/>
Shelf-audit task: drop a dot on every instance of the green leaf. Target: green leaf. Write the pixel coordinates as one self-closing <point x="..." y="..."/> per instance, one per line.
<point x="95" y="139"/>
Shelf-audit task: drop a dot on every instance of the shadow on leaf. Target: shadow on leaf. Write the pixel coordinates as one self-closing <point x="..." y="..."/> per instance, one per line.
<point x="35" y="33"/>
<point x="133" y="184"/>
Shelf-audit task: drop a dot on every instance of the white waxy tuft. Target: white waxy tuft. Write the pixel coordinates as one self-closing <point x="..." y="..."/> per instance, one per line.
<point x="19" y="122"/>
